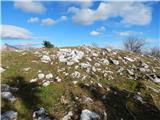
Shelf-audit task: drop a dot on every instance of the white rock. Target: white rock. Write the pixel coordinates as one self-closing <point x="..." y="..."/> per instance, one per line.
<point x="26" y="69"/>
<point x="41" y="114"/>
<point x="97" y="65"/>
<point x="9" y="115"/>
<point x="144" y="70"/>
<point x="154" y="78"/>
<point x="114" y="53"/>
<point x="116" y="62"/>
<point x="88" y="100"/>
<point x="45" y="59"/>
<point x="100" y="85"/>
<point x="2" y="69"/>
<point x="49" y="76"/>
<point x="145" y="65"/>
<point x="120" y="70"/>
<point x="41" y="76"/>
<point x="68" y="116"/>
<point x="8" y="96"/>
<point x="76" y="74"/>
<point x="94" y="69"/>
<point x="70" y="63"/>
<point x="69" y="56"/>
<point x="129" y="59"/>
<point x="58" y="79"/>
<point x="84" y="77"/>
<point x="89" y="59"/>
<point x="131" y="72"/>
<point x="33" y="80"/>
<point x="108" y="49"/>
<point x="76" y="67"/>
<point x="94" y="54"/>
<point x="89" y="115"/>
<point x="74" y="82"/>
<point x="139" y="98"/>
<point x="157" y="80"/>
<point x="46" y="83"/>
<point x="85" y="65"/>
<point x="105" y="61"/>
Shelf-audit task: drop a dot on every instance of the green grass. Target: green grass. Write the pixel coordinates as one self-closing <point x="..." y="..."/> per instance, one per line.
<point x="49" y="97"/>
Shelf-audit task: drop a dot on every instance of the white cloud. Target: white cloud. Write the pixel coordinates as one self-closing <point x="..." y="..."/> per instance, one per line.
<point x="131" y="13"/>
<point x="130" y="33"/>
<point x="124" y="33"/>
<point x="101" y="29"/>
<point x="30" y="6"/>
<point x="29" y="44"/>
<point x="15" y="32"/>
<point x="94" y="33"/>
<point x="98" y="31"/>
<point x="33" y="20"/>
<point x="48" y="22"/>
<point x="63" y="18"/>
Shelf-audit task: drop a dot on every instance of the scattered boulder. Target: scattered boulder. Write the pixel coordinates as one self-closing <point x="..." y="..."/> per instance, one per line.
<point x="6" y="92"/>
<point x="144" y="65"/>
<point x="41" y="76"/>
<point x="116" y="62"/>
<point x="8" y="96"/>
<point x="26" y="69"/>
<point x="154" y="78"/>
<point x="49" y="76"/>
<point x="69" y="56"/>
<point x="46" y="83"/>
<point x="85" y="65"/>
<point x="76" y="74"/>
<point x="45" y="59"/>
<point x="74" y="82"/>
<point x="58" y="79"/>
<point x="9" y="115"/>
<point x="89" y="115"/>
<point x="2" y="69"/>
<point x="33" y="80"/>
<point x="108" y="49"/>
<point x="68" y="116"/>
<point x="128" y="59"/>
<point x="139" y="98"/>
<point x="94" y="54"/>
<point x="131" y="72"/>
<point x="64" y="100"/>
<point x="105" y="61"/>
<point x="88" y="100"/>
<point x="41" y="114"/>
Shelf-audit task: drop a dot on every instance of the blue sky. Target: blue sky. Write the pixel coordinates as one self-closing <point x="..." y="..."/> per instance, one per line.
<point x="76" y="23"/>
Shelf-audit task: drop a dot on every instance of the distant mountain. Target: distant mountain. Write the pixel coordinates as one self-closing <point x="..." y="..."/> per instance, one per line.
<point x="7" y="47"/>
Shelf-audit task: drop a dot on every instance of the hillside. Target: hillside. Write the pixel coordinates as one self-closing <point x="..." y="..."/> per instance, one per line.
<point x="73" y="83"/>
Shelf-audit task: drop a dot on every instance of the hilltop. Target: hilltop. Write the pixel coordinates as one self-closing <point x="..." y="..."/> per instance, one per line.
<point x="82" y="82"/>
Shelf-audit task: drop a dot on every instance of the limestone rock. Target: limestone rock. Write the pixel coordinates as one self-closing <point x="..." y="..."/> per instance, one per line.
<point x="89" y="115"/>
<point x="9" y="115"/>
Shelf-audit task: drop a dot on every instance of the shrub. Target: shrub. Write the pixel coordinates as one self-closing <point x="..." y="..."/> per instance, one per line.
<point x="47" y="44"/>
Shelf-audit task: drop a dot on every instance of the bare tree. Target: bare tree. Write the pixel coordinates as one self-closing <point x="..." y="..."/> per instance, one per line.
<point x="155" y="52"/>
<point x="134" y="44"/>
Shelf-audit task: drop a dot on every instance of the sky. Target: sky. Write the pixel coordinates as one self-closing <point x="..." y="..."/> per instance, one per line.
<point x="73" y="23"/>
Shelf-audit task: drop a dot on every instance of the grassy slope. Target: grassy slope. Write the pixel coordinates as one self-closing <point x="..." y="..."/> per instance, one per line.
<point x="49" y="97"/>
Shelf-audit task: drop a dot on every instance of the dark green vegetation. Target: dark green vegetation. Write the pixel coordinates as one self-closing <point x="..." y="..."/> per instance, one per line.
<point x="47" y="44"/>
<point x="119" y="92"/>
